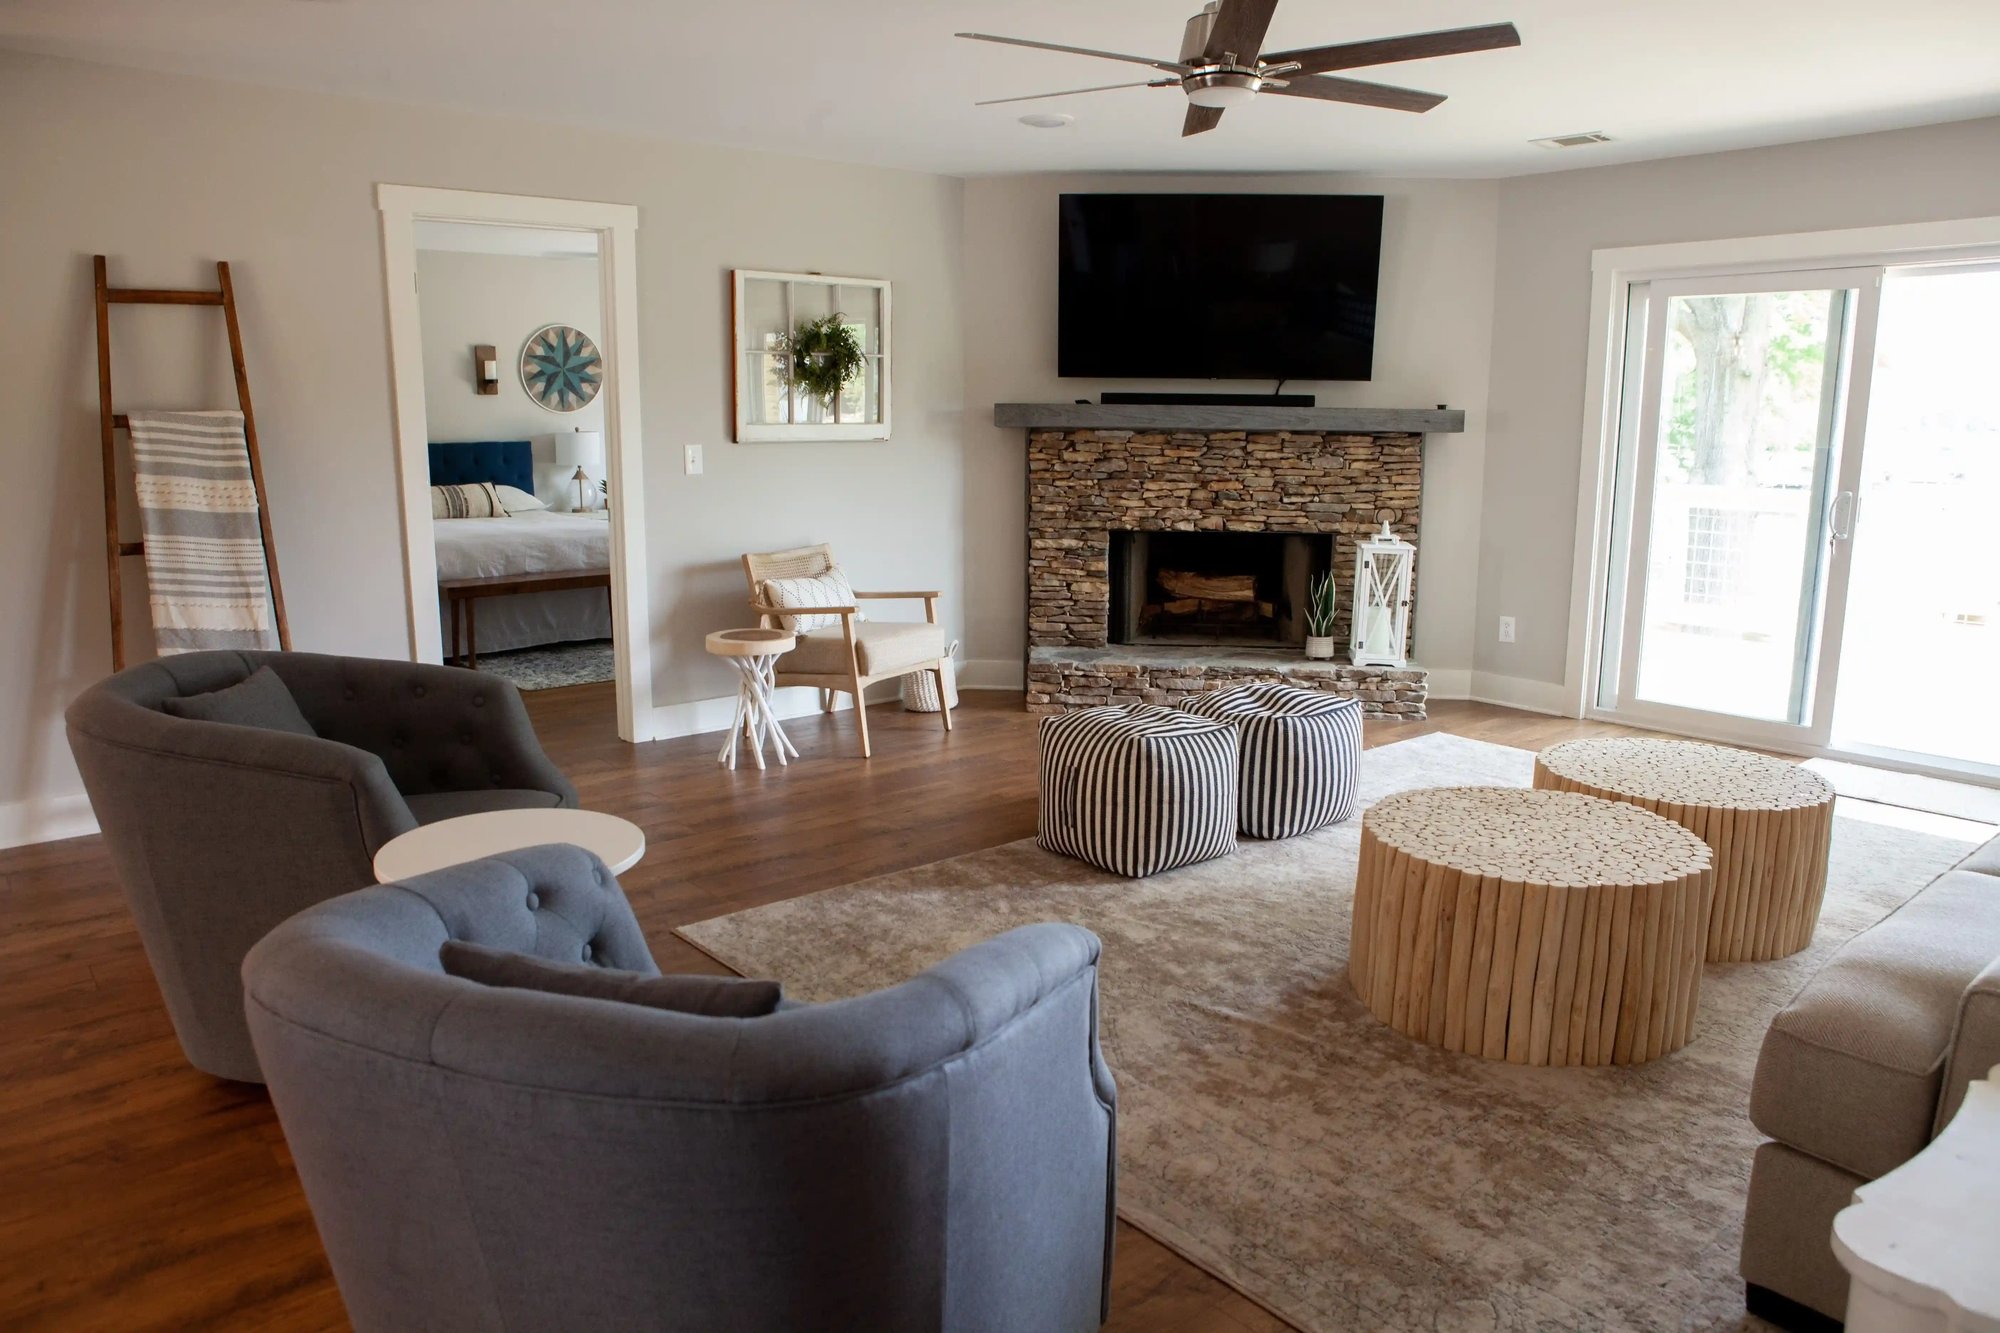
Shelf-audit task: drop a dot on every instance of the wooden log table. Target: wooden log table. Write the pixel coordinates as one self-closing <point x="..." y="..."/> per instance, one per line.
<point x="1536" y="927"/>
<point x="1769" y="821"/>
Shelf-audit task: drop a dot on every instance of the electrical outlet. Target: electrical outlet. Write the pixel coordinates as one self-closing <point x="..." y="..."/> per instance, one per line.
<point x="1506" y="629"/>
<point x="694" y="460"/>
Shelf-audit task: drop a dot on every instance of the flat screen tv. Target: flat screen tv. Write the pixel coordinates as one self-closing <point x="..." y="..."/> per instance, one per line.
<point x="1219" y="286"/>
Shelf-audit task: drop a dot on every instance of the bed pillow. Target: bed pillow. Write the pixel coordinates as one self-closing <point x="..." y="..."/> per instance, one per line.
<point x="828" y="589"/>
<point x="716" y="997"/>
<point x="517" y="501"/>
<point x="475" y="500"/>
<point x="258" y="700"/>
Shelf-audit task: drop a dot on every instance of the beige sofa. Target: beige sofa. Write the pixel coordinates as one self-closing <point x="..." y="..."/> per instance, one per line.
<point x="1859" y="1072"/>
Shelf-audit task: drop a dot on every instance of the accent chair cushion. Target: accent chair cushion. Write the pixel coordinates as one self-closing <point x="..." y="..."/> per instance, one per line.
<point x="716" y="997"/>
<point x="882" y="647"/>
<point x="1137" y="789"/>
<point x="1852" y="1069"/>
<point x="828" y="589"/>
<point x="258" y="700"/>
<point x="1299" y="750"/>
<point x="431" y="806"/>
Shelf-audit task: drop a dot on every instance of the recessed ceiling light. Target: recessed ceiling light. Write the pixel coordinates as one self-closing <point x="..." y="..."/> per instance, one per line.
<point x="1582" y="140"/>
<point x="1047" y="120"/>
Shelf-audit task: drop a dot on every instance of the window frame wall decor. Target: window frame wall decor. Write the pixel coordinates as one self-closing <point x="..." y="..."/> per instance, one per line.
<point x="765" y="306"/>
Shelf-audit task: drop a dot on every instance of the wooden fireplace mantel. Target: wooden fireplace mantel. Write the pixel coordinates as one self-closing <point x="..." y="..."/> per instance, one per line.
<point x="1171" y="417"/>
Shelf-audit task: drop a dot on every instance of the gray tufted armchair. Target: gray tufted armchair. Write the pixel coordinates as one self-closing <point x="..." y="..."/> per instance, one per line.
<point x="220" y="832"/>
<point x="938" y="1155"/>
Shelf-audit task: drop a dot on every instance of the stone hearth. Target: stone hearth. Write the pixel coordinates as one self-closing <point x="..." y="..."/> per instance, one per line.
<point x="1086" y="484"/>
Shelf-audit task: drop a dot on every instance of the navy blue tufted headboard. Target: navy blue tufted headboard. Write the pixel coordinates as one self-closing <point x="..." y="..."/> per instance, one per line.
<point x="502" y="462"/>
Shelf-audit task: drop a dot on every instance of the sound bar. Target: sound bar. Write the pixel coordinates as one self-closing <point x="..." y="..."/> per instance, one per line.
<point x="1211" y="399"/>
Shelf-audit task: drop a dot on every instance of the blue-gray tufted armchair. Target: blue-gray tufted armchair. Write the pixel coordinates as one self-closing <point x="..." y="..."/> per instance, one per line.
<point x="219" y="832"/>
<point x="938" y="1155"/>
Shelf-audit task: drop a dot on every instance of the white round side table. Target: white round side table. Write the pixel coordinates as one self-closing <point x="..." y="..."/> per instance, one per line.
<point x="619" y="843"/>
<point x="754" y="653"/>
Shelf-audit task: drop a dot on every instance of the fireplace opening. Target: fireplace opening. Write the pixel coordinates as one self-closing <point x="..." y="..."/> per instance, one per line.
<point x="1213" y="588"/>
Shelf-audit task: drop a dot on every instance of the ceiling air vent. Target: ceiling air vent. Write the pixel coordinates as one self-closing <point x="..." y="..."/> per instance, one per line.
<point x="1572" y="140"/>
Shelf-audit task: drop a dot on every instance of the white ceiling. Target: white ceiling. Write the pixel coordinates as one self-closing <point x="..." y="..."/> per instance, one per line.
<point x="883" y="81"/>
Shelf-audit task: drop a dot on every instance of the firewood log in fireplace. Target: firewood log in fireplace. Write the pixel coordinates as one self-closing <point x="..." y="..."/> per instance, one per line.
<point x="1206" y="606"/>
<point x="1209" y="587"/>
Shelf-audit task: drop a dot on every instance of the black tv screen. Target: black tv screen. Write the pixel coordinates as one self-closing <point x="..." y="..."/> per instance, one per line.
<point x="1219" y="286"/>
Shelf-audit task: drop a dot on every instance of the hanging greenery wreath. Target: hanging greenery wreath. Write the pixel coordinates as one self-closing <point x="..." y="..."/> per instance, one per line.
<point x="826" y="354"/>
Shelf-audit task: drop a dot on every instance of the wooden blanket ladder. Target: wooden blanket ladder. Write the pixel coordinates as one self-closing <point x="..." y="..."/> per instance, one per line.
<point x="109" y="421"/>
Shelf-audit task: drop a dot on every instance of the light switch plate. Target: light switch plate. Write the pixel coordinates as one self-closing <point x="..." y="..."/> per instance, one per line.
<point x="693" y="453"/>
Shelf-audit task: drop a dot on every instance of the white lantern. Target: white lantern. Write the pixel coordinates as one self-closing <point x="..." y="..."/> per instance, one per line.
<point x="1381" y="605"/>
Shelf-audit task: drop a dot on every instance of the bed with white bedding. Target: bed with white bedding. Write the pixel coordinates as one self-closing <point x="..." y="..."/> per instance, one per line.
<point x="533" y="541"/>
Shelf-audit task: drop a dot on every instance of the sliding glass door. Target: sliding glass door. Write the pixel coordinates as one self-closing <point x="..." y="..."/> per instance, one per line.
<point x="1739" y="444"/>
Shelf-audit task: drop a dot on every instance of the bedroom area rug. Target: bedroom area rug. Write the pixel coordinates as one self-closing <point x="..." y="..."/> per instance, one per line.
<point x="1344" y="1177"/>
<point x="554" y="665"/>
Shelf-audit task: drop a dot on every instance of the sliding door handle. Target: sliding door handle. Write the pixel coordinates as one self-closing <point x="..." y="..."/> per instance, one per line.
<point x="1840" y="516"/>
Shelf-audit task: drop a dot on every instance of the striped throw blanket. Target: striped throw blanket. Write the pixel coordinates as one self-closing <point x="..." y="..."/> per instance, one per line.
<point x="204" y="552"/>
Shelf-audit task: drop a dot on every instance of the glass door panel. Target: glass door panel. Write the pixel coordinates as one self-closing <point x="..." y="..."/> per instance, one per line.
<point x="1926" y="567"/>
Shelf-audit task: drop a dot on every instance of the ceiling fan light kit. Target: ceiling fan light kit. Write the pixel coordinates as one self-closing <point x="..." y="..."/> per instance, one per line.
<point x="1222" y="63"/>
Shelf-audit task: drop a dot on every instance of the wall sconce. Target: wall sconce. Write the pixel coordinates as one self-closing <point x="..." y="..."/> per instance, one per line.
<point x="485" y="369"/>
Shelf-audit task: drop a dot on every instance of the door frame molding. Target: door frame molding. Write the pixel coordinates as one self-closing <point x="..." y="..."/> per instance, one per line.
<point x="1612" y="273"/>
<point x="616" y="227"/>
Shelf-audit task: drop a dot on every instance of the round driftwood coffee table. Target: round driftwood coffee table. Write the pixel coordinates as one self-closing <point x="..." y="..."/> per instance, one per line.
<point x="1537" y="927"/>
<point x="1769" y="821"/>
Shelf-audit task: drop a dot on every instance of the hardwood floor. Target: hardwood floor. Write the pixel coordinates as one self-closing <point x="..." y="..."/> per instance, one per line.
<point x="136" y="1193"/>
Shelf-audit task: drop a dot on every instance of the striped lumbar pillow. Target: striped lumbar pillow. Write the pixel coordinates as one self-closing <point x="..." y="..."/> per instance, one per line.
<point x="474" y="500"/>
<point x="1300" y="750"/>
<point x="828" y="589"/>
<point x="1137" y="790"/>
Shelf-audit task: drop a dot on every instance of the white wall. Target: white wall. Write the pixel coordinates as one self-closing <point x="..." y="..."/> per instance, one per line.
<point x="467" y="300"/>
<point x="1432" y="345"/>
<point x="166" y="174"/>
<point x="1548" y="226"/>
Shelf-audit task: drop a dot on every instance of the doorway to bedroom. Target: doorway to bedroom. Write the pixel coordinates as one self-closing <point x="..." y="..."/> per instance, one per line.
<point x="509" y="420"/>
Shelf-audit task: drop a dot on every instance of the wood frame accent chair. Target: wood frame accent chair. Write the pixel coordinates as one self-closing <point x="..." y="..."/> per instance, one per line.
<point x="864" y="651"/>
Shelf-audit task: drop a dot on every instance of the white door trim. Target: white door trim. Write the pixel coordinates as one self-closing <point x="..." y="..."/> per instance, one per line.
<point x="616" y="226"/>
<point x="1612" y="273"/>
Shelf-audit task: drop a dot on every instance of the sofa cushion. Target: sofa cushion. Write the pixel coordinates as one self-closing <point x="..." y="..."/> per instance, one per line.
<point x="1852" y="1068"/>
<point x="717" y="997"/>
<point x="431" y="806"/>
<point x="258" y="700"/>
<point x="1985" y="860"/>
<point x="883" y="648"/>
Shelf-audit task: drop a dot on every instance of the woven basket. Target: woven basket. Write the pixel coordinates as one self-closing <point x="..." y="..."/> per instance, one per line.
<point x="920" y="687"/>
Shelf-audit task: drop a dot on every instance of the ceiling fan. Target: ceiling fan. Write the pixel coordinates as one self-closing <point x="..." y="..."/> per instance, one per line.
<point x="1222" y="63"/>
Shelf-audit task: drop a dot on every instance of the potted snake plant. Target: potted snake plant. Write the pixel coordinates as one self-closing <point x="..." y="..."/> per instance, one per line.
<point x="1319" y="617"/>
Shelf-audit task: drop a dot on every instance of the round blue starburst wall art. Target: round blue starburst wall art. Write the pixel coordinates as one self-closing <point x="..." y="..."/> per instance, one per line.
<point x="561" y="368"/>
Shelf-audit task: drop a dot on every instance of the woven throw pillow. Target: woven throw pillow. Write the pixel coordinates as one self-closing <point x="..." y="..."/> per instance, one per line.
<point x="716" y="997"/>
<point x="828" y="589"/>
<point x="475" y="500"/>
<point x="258" y="700"/>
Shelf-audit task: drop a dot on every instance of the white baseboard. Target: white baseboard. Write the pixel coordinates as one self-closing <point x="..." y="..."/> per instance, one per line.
<point x="1533" y="696"/>
<point x="46" y="820"/>
<point x="991" y="673"/>
<point x="700" y="716"/>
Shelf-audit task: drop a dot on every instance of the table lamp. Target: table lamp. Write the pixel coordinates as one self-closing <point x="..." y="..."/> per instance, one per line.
<point x="579" y="449"/>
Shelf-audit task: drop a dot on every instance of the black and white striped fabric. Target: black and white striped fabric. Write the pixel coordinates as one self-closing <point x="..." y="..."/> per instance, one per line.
<point x="1139" y="789"/>
<point x="1299" y="749"/>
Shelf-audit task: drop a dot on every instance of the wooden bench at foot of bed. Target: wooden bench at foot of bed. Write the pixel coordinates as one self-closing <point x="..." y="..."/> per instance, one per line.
<point x="468" y="592"/>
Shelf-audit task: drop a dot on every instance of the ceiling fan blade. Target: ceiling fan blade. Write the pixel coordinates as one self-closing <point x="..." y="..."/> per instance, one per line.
<point x="1329" y="89"/>
<point x="1200" y="119"/>
<point x="1168" y="65"/>
<point x="1072" y="92"/>
<point x="1390" y="50"/>
<point x="1239" y="28"/>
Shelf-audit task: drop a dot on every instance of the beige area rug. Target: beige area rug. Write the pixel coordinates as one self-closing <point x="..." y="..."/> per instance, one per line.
<point x="1330" y="1169"/>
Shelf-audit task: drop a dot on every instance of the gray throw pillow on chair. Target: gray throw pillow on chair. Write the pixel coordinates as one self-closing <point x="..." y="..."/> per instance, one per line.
<point x="258" y="700"/>
<point x="716" y="997"/>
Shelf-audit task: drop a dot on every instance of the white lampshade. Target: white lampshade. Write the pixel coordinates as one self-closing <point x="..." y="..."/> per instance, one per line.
<point x="579" y="448"/>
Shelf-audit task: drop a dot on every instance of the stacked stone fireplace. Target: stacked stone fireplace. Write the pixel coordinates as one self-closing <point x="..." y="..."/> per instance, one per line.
<point x="1163" y="563"/>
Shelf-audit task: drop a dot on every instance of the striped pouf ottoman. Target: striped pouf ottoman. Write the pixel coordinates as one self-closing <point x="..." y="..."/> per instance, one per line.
<point x="1137" y="790"/>
<point x="1299" y="753"/>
